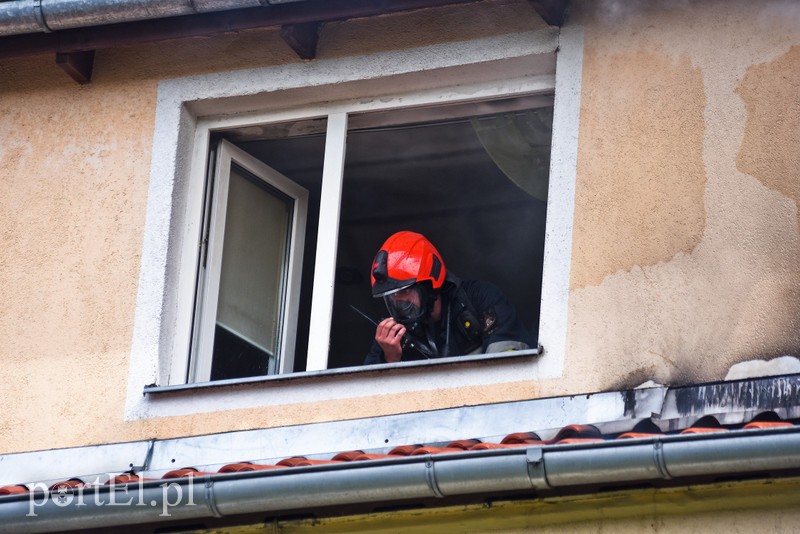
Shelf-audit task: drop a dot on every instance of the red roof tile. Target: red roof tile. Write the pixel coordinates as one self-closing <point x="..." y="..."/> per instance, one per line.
<point x="302" y="461"/>
<point x="766" y="424"/>
<point x="576" y="434"/>
<point x="634" y="435"/>
<point x="521" y="438"/>
<point x="185" y="472"/>
<point x="126" y="478"/>
<point x="487" y="446"/>
<point x="247" y="466"/>
<point x="702" y="430"/>
<point x="348" y="456"/>
<point x="13" y="490"/>
<point x="404" y="450"/>
<point x="454" y="446"/>
<point x="72" y="483"/>
<point x="365" y="456"/>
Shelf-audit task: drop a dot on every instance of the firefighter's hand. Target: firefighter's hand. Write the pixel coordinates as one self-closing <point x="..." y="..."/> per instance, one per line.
<point x="389" y="336"/>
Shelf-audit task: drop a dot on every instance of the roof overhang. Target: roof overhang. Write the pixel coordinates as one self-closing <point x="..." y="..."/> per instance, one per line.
<point x="77" y="29"/>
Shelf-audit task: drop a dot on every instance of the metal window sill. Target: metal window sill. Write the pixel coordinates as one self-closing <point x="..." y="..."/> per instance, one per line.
<point x="345" y="371"/>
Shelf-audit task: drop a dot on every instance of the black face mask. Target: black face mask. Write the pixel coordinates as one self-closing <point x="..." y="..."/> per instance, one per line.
<point x="408" y="306"/>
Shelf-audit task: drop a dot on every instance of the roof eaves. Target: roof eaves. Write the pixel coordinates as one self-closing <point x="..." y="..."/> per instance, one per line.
<point x="79" y="32"/>
<point x="532" y="470"/>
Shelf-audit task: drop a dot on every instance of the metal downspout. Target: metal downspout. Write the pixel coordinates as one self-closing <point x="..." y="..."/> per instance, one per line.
<point x="477" y="473"/>
<point x="34" y="16"/>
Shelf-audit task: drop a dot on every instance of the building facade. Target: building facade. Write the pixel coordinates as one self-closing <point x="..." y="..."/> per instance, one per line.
<point x="627" y="172"/>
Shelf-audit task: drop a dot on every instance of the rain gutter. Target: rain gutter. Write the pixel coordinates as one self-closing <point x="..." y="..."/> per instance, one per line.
<point x="33" y="16"/>
<point x="532" y="470"/>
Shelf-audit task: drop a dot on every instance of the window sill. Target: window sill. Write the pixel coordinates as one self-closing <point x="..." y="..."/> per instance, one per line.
<point x="381" y="368"/>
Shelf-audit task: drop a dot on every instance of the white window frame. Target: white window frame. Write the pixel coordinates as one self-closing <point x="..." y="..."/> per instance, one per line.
<point x="199" y="363"/>
<point x="189" y="109"/>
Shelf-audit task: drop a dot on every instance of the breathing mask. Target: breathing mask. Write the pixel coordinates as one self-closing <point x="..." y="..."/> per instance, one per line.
<point x="409" y="306"/>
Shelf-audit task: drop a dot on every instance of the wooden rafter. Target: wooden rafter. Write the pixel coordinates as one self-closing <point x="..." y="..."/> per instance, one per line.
<point x="78" y="65"/>
<point x="302" y="38"/>
<point x="205" y="24"/>
<point x="552" y="11"/>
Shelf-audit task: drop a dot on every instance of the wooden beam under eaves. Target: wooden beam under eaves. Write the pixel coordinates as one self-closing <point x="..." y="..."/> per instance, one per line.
<point x="78" y="65"/>
<point x="206" y="24"/>
<point x="552" y="11"/>
<point x="302" y="38"/>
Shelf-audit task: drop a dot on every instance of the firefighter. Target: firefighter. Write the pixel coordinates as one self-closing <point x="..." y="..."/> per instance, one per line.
<point x="433" y="313"/>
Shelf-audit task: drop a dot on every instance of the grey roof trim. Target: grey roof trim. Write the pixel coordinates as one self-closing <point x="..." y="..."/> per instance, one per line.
<point x="610" y="412"/>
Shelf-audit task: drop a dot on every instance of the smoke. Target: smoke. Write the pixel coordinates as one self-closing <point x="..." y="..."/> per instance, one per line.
<point x="610" y="11"/>
<point x="783" y="14"/>
<point x="771" y="13"/>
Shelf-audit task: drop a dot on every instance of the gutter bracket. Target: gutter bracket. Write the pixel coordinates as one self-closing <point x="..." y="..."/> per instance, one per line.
<point x="430" y="477"/>
<point x="211" y="499"/>
<point x="534" y="457"/>
<point x="658" y="459"/>
<point x="148" y="457"/>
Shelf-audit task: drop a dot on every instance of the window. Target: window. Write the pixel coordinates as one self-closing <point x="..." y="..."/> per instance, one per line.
<point x="330" y="111"/>
<point x="471" y="176"/>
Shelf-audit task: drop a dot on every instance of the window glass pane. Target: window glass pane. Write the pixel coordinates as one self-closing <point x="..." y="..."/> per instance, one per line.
<point x="252" y="278"/>
<point x="296" y="150"/>
<point x="472" y="178"/>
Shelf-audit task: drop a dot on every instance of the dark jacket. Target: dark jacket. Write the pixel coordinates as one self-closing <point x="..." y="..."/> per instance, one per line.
<point x="500" y="328"/>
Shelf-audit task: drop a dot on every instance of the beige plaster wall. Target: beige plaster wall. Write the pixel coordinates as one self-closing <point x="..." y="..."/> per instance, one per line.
<point x="687" y="238"/>
<point x="686" y="223"/>
<point x="74" y="165"/>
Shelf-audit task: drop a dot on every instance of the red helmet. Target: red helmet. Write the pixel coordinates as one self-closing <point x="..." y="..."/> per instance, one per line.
<point x="406" y="258"/>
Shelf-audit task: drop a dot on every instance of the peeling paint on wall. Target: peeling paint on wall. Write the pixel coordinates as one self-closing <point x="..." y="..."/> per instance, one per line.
<point x="770" y="94"/>
<point x="699" y="302"/>
<point x="639" y="199"/>
<point x="782" y="365"/>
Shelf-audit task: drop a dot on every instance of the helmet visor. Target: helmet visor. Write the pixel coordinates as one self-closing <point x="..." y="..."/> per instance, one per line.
<point x="406" y="305"/>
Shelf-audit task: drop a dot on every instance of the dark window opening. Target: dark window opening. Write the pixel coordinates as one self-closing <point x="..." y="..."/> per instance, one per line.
<point x="475" y="186"/>
<point x="471" y="177"/>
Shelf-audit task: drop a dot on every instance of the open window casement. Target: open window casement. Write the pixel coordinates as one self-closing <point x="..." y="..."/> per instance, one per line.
<point x="249" y="279"/>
